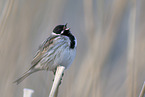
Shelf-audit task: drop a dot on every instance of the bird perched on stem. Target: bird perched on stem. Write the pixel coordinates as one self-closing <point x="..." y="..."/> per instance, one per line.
<point x="58" y="49"/>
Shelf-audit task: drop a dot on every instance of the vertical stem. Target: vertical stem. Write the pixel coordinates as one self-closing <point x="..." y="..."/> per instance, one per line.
<point x="142" y="91"/>
<point x="57" y="78"/>
<point x="131" y="50"/>
<point x="56" y="93"/>
<point x="5" y="14"/>
<point x="89" y="19"/>
<point x="28" y="92"/>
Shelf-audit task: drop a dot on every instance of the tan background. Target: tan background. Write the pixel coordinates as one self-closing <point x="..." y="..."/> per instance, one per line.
<point x="110" y="59"/>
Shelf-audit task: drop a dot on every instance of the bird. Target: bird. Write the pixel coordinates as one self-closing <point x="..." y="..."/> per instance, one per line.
<point x="58" y="49"/>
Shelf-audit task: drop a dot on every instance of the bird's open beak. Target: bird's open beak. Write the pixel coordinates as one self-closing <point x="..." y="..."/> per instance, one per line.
<point x="65" y="27"/>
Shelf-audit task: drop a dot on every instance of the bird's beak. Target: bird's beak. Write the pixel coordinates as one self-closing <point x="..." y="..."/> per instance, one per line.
<point x="65" y="27"/>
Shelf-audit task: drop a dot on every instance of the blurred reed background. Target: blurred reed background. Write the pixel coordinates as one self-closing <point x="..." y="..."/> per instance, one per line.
<point x="110" y="59"/>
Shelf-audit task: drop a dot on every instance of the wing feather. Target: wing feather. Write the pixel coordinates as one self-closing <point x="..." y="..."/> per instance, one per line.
<point x="43" y="49"/>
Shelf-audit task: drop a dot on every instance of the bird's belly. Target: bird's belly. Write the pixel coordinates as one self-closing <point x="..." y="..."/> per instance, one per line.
<point x="68" y="58"/>
<point x="65" y="58"/>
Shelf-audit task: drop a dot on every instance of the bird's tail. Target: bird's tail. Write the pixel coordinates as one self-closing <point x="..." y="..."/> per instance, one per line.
<point x="26" y="74"/>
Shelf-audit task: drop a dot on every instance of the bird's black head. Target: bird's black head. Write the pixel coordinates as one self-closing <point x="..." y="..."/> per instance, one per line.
<point x="59" y="28"/>
<point x="63" y="30"/>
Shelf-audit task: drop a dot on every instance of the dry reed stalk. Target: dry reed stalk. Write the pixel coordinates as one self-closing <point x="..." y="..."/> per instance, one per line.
<point x="57" y="78"/>
<point x="27" y="92"/>
<point x="89" y="19"/>
<point x="142" y="92"/>
<point x="5" y="14"/>
<point x="131" y="51"/>
<point x="97" y="53"/>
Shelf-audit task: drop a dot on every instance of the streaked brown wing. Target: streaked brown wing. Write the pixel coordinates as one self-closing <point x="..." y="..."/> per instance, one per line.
<point x="42" y="50"/>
